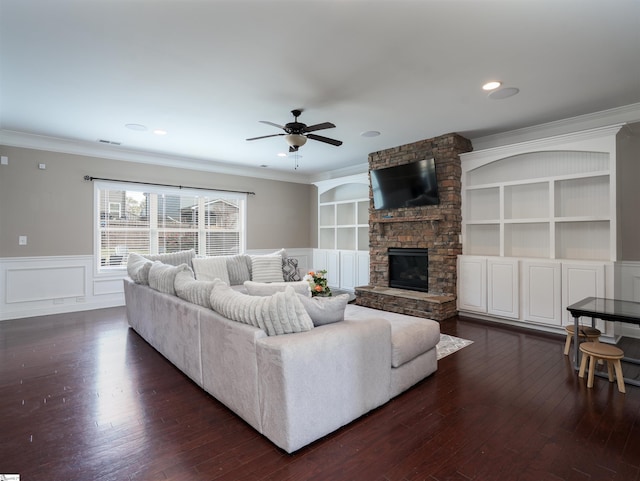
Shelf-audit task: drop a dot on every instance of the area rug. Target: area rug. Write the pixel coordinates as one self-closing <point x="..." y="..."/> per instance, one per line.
<point x="450" y="344"/>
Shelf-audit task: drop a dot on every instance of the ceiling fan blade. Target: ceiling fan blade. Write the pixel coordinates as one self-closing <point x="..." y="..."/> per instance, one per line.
<point x="322" y="126"/>
<point x="271" y="123"/>
<point x="326" y="140"/>
<point x="265" y="136"/>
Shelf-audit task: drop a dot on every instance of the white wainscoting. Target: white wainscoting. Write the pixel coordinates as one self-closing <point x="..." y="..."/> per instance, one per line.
<point x="36" y="286"/>
<point x="628" y="289"/>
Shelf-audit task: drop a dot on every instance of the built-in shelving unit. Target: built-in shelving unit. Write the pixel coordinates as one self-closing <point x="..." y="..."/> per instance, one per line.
<point x="343" y="231"/>
<point x="540" y="226"/>
<point x="343" y="224"/>
<point x="555" y="205"/>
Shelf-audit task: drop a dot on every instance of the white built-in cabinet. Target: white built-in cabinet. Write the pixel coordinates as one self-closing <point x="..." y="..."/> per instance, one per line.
<point x="343" y="231"/>
<point x="539" y="227"/>
<point x="503" y="287"/>
<point x="472" y="284"/>
<point x="542" y="292"/>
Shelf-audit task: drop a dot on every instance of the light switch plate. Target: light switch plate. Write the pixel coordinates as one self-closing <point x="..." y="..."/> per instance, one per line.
<point x="22" y="240"/>
<point x="4" y="160"/>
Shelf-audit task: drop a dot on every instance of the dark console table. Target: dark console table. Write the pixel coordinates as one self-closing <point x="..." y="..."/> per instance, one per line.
<point x="608" y="310"/>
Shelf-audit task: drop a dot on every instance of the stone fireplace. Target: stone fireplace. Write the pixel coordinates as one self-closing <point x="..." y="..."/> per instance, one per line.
<point x="432" y="228"/>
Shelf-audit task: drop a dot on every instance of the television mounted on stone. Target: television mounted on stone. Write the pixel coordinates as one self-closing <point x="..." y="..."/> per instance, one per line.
<point x="406" y="185"/>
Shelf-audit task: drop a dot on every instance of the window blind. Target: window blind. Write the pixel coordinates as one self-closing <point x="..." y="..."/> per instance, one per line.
<point x="157" y="220"/>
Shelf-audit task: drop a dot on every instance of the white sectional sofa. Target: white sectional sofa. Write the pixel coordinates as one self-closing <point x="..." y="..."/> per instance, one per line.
<point x="293" y="388"/>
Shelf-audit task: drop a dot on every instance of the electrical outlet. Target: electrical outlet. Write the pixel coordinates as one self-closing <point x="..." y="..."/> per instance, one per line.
<point x="4" y="160"/>
<point x="22" y="240"/>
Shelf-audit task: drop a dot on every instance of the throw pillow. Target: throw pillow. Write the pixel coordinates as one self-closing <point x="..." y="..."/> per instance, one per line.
<point x="266" y="269"/>
<point x="210" y="268"/>
<point x="270" y="288"/>
<point x="325" y="310"/>
<point x="281" y="313"/>
<point x="138" y="268"/>
<point x="162" y="276"/>
<point x="238" y="269"/>
<point x="174" y="258"/>
<point x="290" y="270"/>
<point x="192" y="290"/>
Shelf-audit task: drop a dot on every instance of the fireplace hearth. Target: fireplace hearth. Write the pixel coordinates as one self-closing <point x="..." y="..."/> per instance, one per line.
<point x="409" y="269"/>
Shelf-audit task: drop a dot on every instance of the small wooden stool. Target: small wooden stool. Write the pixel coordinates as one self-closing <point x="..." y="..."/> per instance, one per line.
<point x="606" y="352"/>
<point x="585" y="333"/>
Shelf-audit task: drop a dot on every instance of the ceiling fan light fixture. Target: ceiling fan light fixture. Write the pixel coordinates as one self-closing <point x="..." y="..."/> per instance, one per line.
<point x="295" y="140"/>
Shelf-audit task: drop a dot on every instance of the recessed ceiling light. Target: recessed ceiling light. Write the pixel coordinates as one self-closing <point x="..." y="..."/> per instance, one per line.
<point x="136" y="127"/>
<point x="282" y="154"/>
<point x="494" y="84"/>
<point x="160" y="132"/>
<point x="370" y="133"/>
<point x="504" y="93"/>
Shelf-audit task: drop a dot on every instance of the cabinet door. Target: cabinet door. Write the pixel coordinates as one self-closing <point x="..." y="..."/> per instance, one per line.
<point x="348" y="270"/>
<point x="362" y="259"/>
<point x="319" y="260"/>
<point x="502" y="287"/>
<point x="541" y="292"/>
<point x="333" y="268"/>
<point x="472" y="283"/>
<point x="580" y="280"/>
<point x="328" y="260"/>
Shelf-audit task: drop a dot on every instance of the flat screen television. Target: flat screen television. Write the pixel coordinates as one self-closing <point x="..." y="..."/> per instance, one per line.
<point x="405" y="185"/>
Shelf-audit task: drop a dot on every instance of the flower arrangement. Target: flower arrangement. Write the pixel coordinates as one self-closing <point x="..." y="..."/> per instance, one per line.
<point x="318" y="283"/>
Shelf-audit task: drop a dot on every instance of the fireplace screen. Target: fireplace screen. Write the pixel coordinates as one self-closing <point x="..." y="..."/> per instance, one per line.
<point x="408" y="269"/>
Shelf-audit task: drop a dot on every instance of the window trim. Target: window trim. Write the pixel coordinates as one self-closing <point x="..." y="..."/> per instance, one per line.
<point x="168" y="190"/>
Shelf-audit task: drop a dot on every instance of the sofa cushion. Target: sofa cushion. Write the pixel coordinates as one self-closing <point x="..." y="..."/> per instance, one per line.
<point x="267" y="289"/>
<point x="192" y="290"/>
<point x="325" y="310"/>
<point x="410" y="338"/>
<point x="238" y="269"/>
<point x="138" y="268"/>
<point x="173" y="258"/>
<point x="266" y="268"/>
<point x="280" y="252"/>
<point x="162" y="276"/>
<point x="290" y="270"/>
<point x="211" y="268"/>
<point x="281" y="313"/>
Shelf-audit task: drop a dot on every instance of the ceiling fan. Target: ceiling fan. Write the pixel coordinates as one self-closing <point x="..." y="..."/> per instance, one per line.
<point x="297" y="133"/>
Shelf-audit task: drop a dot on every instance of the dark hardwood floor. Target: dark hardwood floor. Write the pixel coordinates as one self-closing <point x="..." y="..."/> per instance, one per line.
<point x="83" y="397"/>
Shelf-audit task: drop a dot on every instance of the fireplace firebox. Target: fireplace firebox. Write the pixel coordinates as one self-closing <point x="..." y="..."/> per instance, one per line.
<point x="409" y="269"/>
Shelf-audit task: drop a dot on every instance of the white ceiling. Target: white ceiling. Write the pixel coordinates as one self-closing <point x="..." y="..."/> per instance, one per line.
<point x="208" y="71"/>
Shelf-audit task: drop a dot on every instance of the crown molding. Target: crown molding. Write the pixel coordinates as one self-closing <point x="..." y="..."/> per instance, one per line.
<point x="357" y="169"/>
<point x="53" y="144"/>
<point x="621" y="115"/>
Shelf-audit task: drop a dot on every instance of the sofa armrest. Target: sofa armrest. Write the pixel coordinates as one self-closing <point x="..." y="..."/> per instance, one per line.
<point x="314" y="382"/>
<point x="229" y="367"/>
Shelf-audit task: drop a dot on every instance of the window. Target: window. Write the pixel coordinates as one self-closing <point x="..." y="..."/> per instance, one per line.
<point x="115" y="210"/>
<point x="157" y="220"/>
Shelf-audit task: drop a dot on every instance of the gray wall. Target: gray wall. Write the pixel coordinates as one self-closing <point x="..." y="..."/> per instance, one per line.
<point x="628" y="196"/>
<point x="54" y="207"/>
